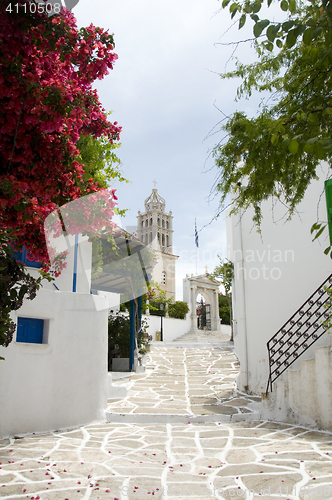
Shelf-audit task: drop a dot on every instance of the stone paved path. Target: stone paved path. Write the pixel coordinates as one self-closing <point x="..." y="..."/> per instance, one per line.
<point x="189" y="447"/>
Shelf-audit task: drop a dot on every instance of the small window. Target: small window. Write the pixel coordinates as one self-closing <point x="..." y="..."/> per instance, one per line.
<point x="163" y="278"/>
<point x="30" y="330"/>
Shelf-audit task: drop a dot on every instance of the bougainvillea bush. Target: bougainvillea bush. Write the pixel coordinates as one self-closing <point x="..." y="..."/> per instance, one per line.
<point x="47" y="103"/>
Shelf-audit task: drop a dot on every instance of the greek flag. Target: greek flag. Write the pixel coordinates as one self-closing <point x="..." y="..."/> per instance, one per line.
<point x="196" y="235"/>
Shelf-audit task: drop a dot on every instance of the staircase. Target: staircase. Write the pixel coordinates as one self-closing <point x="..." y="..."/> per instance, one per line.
<point x="205" y="336"/>
<point x="302" y="330"/>
<point x="303" y="395"/>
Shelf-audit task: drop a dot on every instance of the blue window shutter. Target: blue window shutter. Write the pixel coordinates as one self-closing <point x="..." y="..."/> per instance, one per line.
<point x="22" y="257"/>
<point x="29" y="263"/>
<point x="17" y="255"/>
<point x="30" y="330"/>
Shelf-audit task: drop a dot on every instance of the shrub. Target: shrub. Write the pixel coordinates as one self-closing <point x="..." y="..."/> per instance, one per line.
<point x="178" y="310"/>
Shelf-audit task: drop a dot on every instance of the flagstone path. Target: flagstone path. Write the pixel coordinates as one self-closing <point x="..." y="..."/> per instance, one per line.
<point x="189" y="446"/>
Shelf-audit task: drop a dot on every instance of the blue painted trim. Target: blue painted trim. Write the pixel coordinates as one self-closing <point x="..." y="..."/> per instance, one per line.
<point x="132" y="335"/>
<point x="140" y="309"/>
<point x="75" y="263"/>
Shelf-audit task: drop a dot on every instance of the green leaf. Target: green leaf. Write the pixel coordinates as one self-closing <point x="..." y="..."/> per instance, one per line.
<point x="233" y="7"/>
<point x="312" y="118"/>
<point x="259" y="27"/>
<point x="312" y="140"/>
<point x="327" y="144"/>
<point x="284" y="5"/>
<point x="319" y="233"/>
<point x="225" y="3"/>
<point x="274" y="139"/>
<point x="307" y="36"/>
<point x="292" y="6"/>
<point x="315" y="226"/>
<point x="279" y="43"/>
<point x="257" y="7"/>
<point x="293" y="146"/>
<point x="242" y="21"/>
<point x="316" y="33"/>
<point x="291" y="39"/>
<point x="326" y="251"/>
<point x="288" y="25"/>
<point x="272" y="32"/>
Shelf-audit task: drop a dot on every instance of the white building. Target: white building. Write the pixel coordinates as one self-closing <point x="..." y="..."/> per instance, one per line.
<point x="275" y="273"/>
<point x="55" y="369"/>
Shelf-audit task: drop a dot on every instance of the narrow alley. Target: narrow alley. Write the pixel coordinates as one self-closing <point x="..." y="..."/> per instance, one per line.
<point x="183" y="431"/>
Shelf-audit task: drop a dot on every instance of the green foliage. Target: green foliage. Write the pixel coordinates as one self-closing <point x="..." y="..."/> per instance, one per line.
<point x="100" y="162"/>
<point x="156" y="298"/>
<point x="224" y="311"/>
<point x="282" y="146"/>
<point x="178" y="310"/>
<point x="99" y="159"/>
<point x="119" y="337"/>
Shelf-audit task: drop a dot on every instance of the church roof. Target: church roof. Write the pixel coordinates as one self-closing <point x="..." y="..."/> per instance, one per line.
<point x="154" y="202"/>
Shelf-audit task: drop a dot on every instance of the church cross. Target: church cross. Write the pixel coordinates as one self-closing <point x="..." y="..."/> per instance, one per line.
<point x="155" y="184"/>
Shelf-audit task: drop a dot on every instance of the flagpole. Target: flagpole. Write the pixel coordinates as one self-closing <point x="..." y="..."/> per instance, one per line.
<point x="196" y="243"/>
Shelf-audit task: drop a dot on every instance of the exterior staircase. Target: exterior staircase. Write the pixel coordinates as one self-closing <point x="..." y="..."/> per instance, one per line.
<point x="302" y="394"/>
<point x="202" y="336"/>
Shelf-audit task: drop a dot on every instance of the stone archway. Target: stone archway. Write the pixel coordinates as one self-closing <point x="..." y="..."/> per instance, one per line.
<point x="209" y="289"/>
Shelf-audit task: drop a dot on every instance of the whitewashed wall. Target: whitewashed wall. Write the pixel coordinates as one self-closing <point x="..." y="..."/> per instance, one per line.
<point x="172" y="327"/>
<point x="62" y="382"/>
<point x="64" y="282"/>
<point x="275" y="272"/>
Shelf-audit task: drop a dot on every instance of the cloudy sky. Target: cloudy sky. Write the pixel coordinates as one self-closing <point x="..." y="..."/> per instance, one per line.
<point x="166" y="94"/>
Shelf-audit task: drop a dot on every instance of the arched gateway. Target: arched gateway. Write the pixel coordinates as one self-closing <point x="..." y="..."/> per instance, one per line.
<point x="209" y="289"/>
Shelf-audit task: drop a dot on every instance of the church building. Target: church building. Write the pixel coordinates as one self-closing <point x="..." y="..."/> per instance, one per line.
<point x="154" y="228"/>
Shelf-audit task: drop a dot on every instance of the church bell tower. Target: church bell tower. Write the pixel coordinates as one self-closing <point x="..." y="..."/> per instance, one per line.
<point x="154" y="229"/>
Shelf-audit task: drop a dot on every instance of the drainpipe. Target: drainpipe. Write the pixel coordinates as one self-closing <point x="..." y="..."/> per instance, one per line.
<point x="75" y="263"/>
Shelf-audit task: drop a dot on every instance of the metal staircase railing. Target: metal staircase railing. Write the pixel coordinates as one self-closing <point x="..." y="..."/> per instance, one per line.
<point x="304" y="328"/>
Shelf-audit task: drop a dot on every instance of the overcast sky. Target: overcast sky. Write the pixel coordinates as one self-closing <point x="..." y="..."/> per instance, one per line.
<point x="164" y="91"/>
